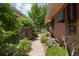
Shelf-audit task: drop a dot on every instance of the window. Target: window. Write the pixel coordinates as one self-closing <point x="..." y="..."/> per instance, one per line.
<point x="61" y="16"/>
<point x="71" y="16"/>
<point x="71" y="12"/>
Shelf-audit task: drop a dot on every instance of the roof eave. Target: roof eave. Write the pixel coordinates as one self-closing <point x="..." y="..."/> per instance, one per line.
<point x="50" y="16"/>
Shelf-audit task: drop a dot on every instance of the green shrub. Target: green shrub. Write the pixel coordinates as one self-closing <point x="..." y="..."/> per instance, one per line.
<point x="10" y="28"/>
<point x="56" y="51"/>
<point x="27" y="22"/>
<point x="43" y="30"/>
<point x="34" y="33"/>
<point x="9" y="36"/>
<point x="7" y="17"/>
<point x="29" y="25"/>
<point x="23" y="47"/>
<point x="13" y="37"/>
<point x="43" y="38"/>
<point x="7" y="49"/>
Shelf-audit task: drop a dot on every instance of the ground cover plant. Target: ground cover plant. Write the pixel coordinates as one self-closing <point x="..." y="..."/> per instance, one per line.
<point x="56" y="51"/>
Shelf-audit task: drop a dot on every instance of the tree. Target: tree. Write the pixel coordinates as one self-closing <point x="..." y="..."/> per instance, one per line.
<point x="10" y="30"/>
<point x="38" y="14"/>
<point x="7" y="17"/>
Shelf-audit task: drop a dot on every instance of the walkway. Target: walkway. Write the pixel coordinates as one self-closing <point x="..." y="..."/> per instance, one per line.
<point x="37" y="48"/>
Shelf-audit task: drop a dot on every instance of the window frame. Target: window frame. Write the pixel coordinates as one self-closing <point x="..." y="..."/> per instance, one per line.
<point x="61" y="15"/>
<point x="71" y="12"/>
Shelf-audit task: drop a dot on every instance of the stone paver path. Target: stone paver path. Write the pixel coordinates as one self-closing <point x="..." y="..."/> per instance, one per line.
<point x="37" y="48"/>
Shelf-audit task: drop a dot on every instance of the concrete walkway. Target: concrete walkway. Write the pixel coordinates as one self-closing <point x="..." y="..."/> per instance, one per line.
<point x="37" y="48"/>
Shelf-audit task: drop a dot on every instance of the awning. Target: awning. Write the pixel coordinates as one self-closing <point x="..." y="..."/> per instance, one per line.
<point x="53" y="10"/>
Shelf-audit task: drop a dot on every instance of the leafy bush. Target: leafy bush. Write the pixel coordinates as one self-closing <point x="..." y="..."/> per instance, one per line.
<point x="7" y="17"/>
<point x="10" y="31"/>
<point x="56" y="51"/>
<point x="7" y="49"/>
<point x="27" y="22"/>
<point x="43" y="38"/>
<point x="23" y="47"/>
<point x="43" y="30"/>
<point x="13" y="37"/>
<point x="9" y="36"/>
